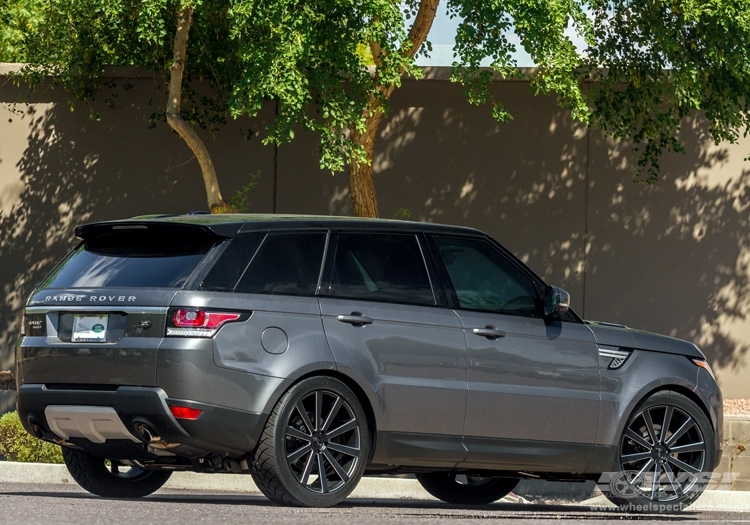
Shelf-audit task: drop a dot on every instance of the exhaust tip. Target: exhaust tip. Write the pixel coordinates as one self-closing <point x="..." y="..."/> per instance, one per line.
<point x="37" y="430"/>
<point x="147" y="434"/>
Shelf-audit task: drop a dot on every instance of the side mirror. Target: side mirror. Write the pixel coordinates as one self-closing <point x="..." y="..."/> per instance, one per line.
<point x="556" y="301"/>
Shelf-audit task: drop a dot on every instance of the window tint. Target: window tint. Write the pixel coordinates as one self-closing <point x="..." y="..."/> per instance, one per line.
<point x="130" y="260"/>
<point x="285" y="264"/>
<point x="485" y="280"/>
<point x="380" y="267"/>
<point x="232" y="263"/>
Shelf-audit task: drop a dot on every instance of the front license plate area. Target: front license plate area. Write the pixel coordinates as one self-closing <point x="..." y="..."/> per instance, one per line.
<point x="89" y="329"/>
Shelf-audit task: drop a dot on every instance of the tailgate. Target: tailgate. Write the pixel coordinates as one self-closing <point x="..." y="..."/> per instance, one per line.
<point x="96" y="337"/>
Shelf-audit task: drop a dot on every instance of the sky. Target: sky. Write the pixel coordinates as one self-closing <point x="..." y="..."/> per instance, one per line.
<point x="442" y="38"/>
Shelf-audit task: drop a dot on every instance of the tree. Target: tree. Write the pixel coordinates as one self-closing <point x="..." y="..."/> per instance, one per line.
<point x="306" y="55"/>
<point x="649" y="65"/>
<point x="646" y="66"/>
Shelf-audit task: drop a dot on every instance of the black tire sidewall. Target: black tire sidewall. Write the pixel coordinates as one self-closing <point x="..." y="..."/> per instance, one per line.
<point x="640" y="503"/>
<point x="306" y="497"/>
<point x="92" y="475"/>
<point x="443" y="486"/>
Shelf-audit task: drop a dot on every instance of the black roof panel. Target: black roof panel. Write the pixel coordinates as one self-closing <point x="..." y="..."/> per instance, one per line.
<point x="227" y="225"/>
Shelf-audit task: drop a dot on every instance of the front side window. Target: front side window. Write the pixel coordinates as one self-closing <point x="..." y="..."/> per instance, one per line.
<point x="485" y="280"/>
<point x="381" y="267"/>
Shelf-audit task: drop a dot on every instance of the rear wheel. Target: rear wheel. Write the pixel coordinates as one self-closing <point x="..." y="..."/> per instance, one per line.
<point x="666" y="456"/>
<point x="460" y="489"/>
<point x="115" y="480"/>
<point x="314" y="447"/>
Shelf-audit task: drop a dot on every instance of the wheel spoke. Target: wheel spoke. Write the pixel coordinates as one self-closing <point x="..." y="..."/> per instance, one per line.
<point x="692" y="447"/>
<point x="655" y="482"/>
<point x="645" y="468"/>
<point x="294" y="456"/>
<point x="291" y="431"/>
<point x="629" y="458"/>
<point x="667" y="421"/>
<point x="114" y="467"/>
<point x="682" y="465"/>
<point x="305" y="417"/>
<point x="638" y="439"/>
<point x="349" y="451"/>
<point x="338" y="468"/>
<point x="346" y="427"/>
<point x="318" y="410"/>
<point x="322" y="474"/>
<point x="687" y="425"/>
<point x="673" y="480"/>
<point x="332" y="414"/>
<point x="650" y="427"/>
<point x="308" y="468"/>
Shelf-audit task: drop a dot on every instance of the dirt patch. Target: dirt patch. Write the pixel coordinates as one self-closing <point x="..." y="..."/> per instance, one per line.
<point x="737" y="407"/>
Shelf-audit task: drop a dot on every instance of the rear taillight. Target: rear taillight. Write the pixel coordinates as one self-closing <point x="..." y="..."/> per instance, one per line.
<point x="190" y="322"/>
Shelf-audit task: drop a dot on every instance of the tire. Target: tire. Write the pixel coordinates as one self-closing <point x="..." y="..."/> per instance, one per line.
<point x="94" y="476"/>
<point x="297" y="444"/>
<point x="663" y="471"/>
<point x="466" y="490"/>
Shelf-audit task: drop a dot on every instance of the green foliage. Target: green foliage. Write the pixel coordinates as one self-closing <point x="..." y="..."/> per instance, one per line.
<point x="18" y="445"/>
<point x="240" y="201"/>
<point x="403" y="214"/>
<point x="18" y="18"/>
<point x="653" y="63"/>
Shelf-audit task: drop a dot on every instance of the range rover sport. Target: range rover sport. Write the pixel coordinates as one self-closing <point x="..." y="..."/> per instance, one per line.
<point x="310" y="351"/>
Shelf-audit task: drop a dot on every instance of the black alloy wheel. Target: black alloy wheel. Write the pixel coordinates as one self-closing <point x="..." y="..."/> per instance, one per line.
<point x="314" y="447"/>
<point x="666" y="455"/>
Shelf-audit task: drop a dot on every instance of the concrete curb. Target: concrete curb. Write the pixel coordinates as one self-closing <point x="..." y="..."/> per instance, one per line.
<point x="373" y="488"/>
<point x="368" y="488"/>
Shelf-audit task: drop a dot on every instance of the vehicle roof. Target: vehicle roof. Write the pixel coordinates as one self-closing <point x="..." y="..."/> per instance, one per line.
<point x="228" y="225"/>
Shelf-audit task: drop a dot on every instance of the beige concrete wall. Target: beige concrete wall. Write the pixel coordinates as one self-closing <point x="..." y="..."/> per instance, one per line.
<point x="672" y="258"/>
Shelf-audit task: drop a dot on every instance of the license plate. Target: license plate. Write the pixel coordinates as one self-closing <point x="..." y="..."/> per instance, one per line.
<point x="89" y="329"/>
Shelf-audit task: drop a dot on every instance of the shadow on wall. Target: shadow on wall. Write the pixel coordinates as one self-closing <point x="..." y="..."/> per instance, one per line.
<point x="74" y="170"/>
<point x="674" y="258"/>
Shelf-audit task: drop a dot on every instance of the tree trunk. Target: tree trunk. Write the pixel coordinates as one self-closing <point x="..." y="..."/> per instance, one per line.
<point x="361" y="180"/>
<point x="215" y="202"/>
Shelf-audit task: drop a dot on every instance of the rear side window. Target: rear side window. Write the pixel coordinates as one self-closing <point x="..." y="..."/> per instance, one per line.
<point x="381" y="267"/>
<point x="285" y="264"/>
<point x="131" y="260"/>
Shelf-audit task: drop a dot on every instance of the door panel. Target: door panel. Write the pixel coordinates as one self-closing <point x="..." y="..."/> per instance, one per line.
<point x="538" y="382"/>
<point x="414" y="360"/>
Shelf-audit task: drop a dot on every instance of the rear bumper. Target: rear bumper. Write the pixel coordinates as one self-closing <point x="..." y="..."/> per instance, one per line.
<point x="218" y="430"/>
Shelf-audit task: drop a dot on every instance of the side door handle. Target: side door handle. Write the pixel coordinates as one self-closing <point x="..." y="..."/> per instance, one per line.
<point x="355" y="319"/>
<point x="489" y="331"/>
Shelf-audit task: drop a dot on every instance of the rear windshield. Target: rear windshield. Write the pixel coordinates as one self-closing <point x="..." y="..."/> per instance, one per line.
<point x="131" y="260"/>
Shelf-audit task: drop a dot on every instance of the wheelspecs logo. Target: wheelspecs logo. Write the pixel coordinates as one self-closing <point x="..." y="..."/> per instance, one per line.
<point x="639" y="491"/>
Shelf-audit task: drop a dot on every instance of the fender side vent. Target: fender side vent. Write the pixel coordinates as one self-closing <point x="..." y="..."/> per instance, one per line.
<point x="616" y="354"/>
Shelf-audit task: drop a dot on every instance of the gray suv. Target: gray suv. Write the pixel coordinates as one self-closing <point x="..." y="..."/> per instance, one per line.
<point x="310" y="351"/>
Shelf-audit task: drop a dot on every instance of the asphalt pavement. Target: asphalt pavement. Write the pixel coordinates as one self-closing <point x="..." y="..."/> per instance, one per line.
<point x="63" y="504"/>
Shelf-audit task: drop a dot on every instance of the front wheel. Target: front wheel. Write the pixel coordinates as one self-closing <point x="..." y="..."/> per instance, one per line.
<point x="666" y="456"/>
<point x="115" y="480"/>
<point x="314" y="447"/>
<point x="460" y="489"/>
